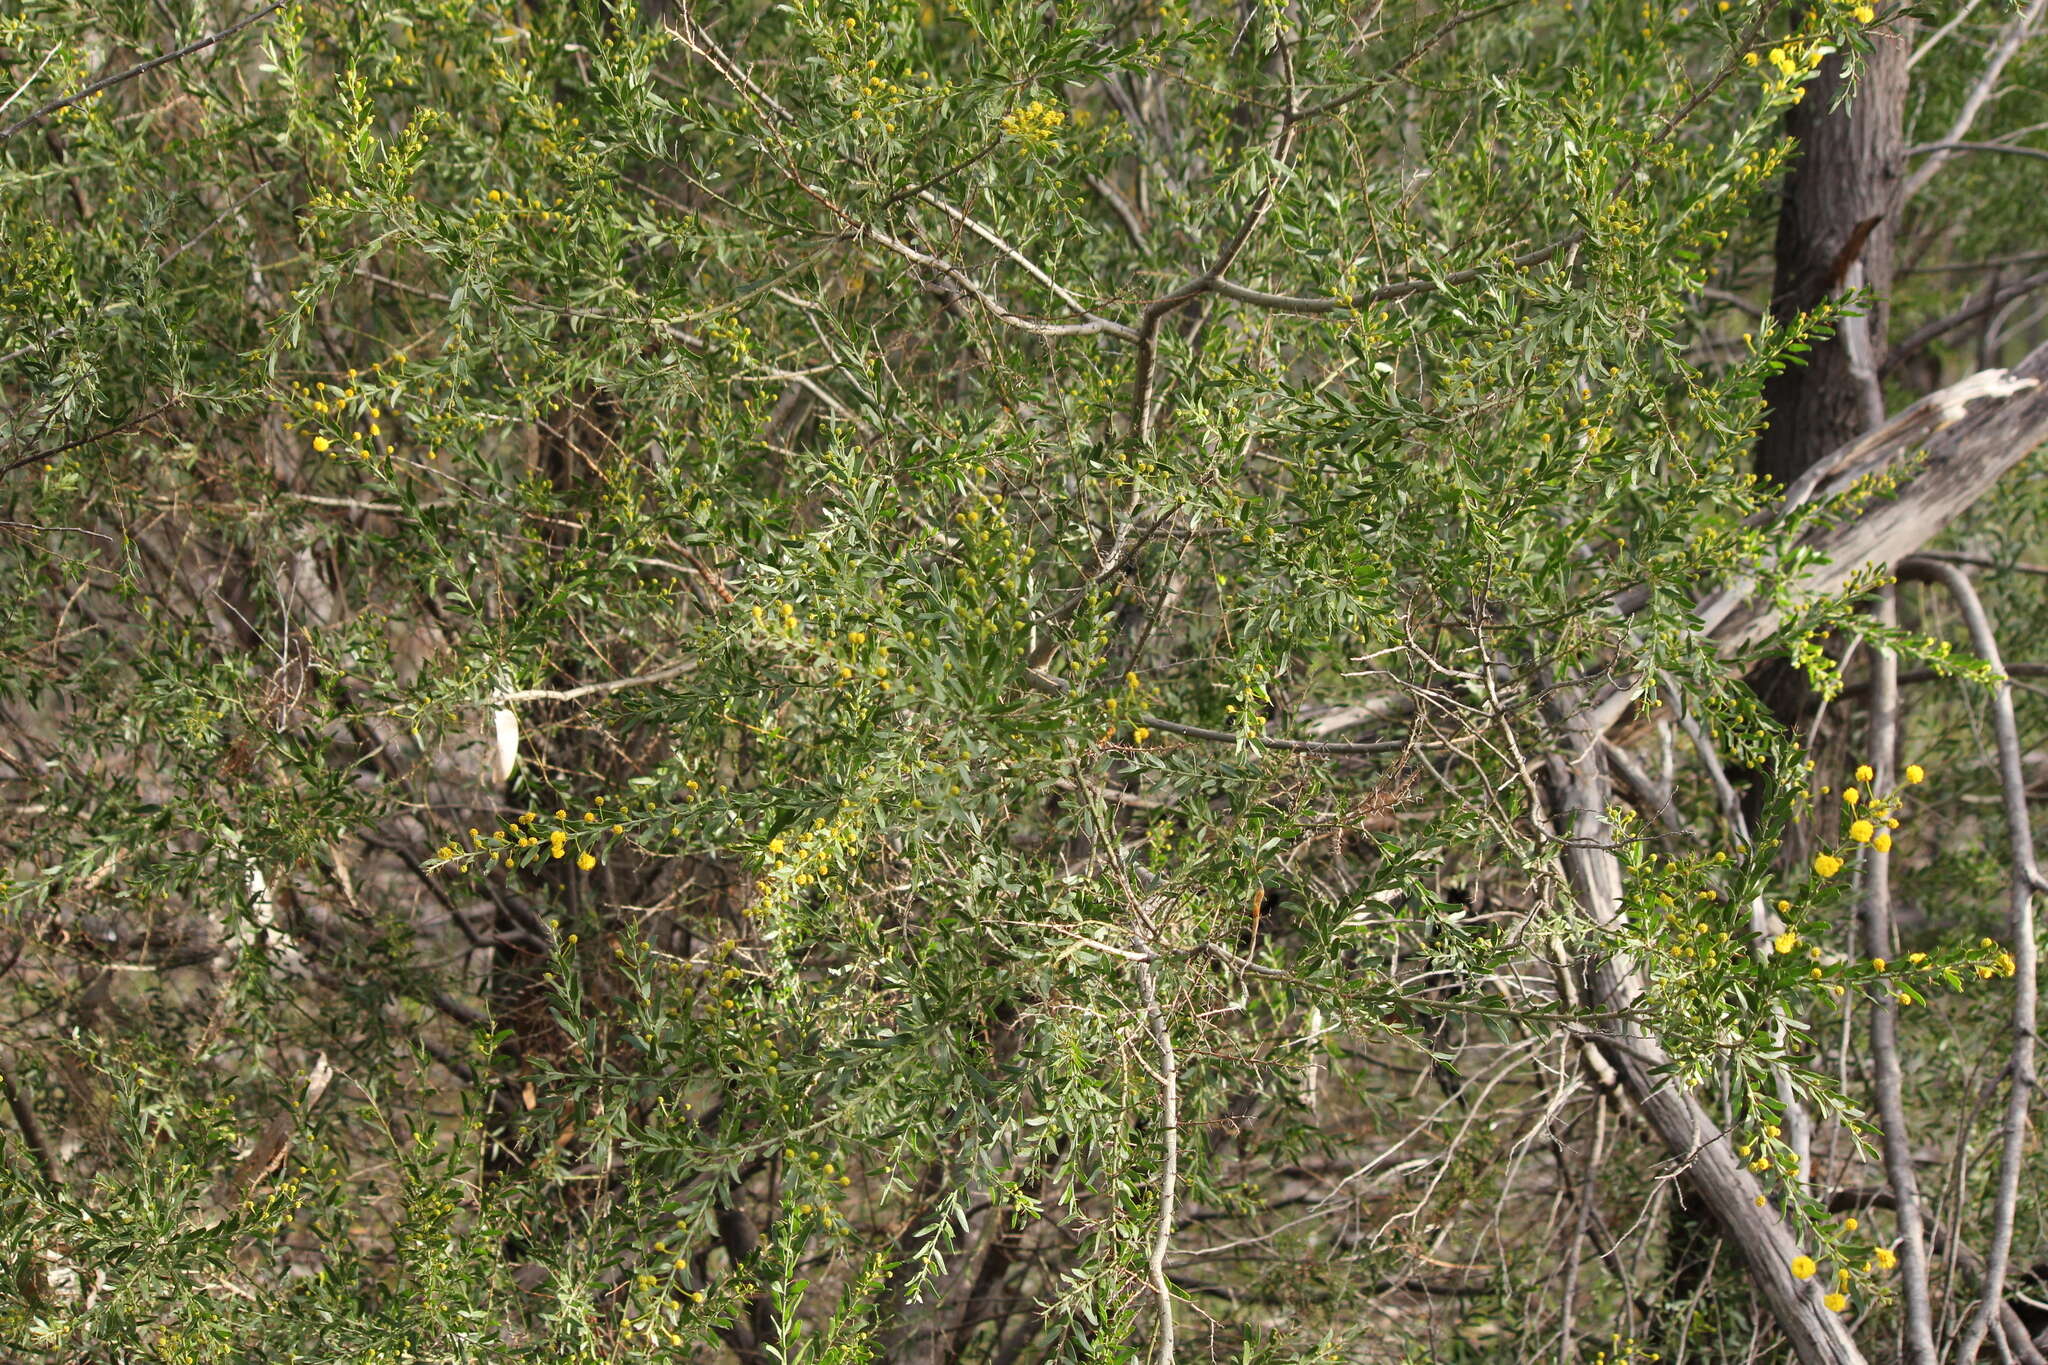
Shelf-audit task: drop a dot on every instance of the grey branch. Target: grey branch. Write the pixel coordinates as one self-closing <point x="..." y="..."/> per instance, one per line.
<point x="2025" y="876"/>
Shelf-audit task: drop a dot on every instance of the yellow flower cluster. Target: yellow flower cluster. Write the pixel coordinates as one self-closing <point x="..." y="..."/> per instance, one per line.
<point x="1794" y="61"/>
<point x="1034" y="124"/>
<point x="878" y="98"/>
<point x="506" y="847"/>
<point x="800" y="860"/>
<point x="1871" y="822"/>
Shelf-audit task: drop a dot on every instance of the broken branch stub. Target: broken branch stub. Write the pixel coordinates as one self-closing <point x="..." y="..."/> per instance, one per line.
<point x="1971" y="433"/>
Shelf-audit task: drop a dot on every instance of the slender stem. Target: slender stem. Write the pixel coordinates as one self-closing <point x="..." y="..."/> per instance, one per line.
<point x="1169" y="1162"/>
<point x="2019" y="932"/>
<point x="1918" y="1346"/>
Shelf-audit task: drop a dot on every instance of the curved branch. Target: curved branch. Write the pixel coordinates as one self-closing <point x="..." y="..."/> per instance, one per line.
<point x="1290" y="303"/>
<point x="2019" y="930"/>
<point x="1918" y="1346"/>
<point x="2009" y="42"/>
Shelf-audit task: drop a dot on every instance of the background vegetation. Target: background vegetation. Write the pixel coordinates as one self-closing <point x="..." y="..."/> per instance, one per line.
<point x="871" y="680"/>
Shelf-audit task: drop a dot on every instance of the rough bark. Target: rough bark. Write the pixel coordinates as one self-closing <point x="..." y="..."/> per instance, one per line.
<point x="1835" y="231"/>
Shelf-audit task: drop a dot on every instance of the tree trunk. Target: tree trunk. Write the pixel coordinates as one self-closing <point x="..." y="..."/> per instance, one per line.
<point x="1835" y="229"/>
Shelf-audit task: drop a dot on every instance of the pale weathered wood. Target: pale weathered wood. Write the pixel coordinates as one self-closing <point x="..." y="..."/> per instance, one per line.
<point x="1948" y="449"/>
<point x="1578" y="796"/>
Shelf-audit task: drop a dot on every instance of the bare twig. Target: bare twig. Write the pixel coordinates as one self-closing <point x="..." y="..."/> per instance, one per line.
<point x="1931" y="331"/>
<point x="1985" y="562"/>
<point x="659" y="675"/>
<point x="2008" y="148"/>
<point x="1936" y="38"/>
<point x="1128" y="216"/>
<point x="1300" y="746"/>
<point x="1169" y="1161"/>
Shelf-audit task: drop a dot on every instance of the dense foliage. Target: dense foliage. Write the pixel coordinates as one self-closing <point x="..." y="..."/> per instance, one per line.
<point x="864" y="680"/>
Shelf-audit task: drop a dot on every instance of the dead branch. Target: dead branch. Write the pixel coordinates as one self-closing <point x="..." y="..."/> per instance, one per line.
<point x="2019" y="932"/>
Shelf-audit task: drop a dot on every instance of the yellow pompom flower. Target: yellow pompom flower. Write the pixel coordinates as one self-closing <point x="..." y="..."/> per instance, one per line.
<point x="1836" y="1302"/>
<point x="1882" y="843"/>
<point x="1886" y="1258"/>
<point x="1786" y="941"/>
<point x="1803" y="1267"/>
<point x="1850" y="796"/>
<point x="1864" y="773"/>
<point x="586" y="861"/>
<point x="1915" y="774"/>
<point x="1861" y="830"/>
<point x="1827" y="864"/>
<point x="321" y="444"/>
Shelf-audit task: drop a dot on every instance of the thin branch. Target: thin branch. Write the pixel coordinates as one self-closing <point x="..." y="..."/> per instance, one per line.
<point x="1935" y="39"/>
<point x="2020" y="933"/>
<point x="1650" y="796"/>
<point x="1127" y="215"/>
<point x="54" y="451"/>
<point x="1918" y="1346"/>
<point x="660" y="675"/>
<point x="140" y="70"/>
<point x="1986" y="562"/>
<point x="2009" y="149"/>
<point x="1300" y="746"/>
<point x="1289" y="303"/>
<point x="1991" y="300"/>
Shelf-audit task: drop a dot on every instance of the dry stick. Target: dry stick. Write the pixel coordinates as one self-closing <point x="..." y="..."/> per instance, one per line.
<point x="1169" y="1165"/>
<point x="1918" y="1346"/>
<point x="2019" y="929"/>
<point x="660" y="675"/>
<point x="2009" y="148"/>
